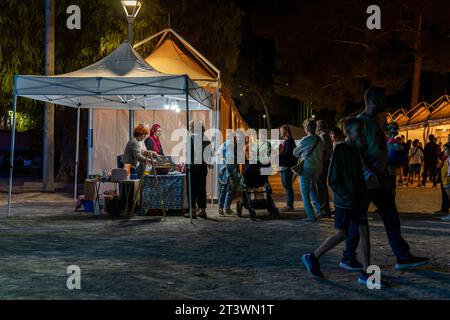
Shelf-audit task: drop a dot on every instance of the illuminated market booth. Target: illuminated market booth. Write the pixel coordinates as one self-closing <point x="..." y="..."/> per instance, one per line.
<point x="415" y="127"/>
<point x="439" y="120"/>
<point x="120" y="81"/>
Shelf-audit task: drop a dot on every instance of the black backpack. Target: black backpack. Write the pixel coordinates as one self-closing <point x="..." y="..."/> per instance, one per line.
<point x="114" y="207"/>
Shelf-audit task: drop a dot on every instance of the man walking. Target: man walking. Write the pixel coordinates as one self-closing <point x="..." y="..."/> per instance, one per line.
<point x="430" y="161"/>
<point x="445" y="205"/>
<point x="322" y="184"/>
<point x="380" y="185"/>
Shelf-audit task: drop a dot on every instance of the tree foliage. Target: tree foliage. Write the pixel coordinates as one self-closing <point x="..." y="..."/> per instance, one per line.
<point x="328" y="55"/>
<point x="213" y="27"/>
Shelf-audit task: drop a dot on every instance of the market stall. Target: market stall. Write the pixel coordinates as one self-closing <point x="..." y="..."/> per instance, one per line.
<point x="172" y="54"/>
<point x="439" y="120"/>
<point x="401" y="118"/>
<point x="120" y="81"/>
<point x="416" y="127"/>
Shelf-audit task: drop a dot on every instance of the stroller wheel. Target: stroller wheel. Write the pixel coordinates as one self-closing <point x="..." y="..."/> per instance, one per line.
<point x="239" y="209"/>
<point x="252" y="213"/>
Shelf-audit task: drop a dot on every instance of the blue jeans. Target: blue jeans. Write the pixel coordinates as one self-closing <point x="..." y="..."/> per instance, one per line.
<point x="286" y="180"/>
<point x="139" y="171"/>
<point x="226" y="192"/>
<point x="384" y="200"/>
<point x="308" y="189"/>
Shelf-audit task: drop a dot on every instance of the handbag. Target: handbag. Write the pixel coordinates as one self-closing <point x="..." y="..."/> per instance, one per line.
<point x="298" y="168"/>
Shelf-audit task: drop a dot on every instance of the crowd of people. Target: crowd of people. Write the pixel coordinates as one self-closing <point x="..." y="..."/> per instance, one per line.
<point x="422" y="164"/>
<point x="362" y="164"/>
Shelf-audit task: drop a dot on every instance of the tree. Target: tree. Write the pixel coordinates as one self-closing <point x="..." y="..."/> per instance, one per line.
<point x="49" y="108"/>
<point x="253" y="84"/>
<point x="328" y="55"/>
<point x="19" y="54"/>
<point x="216" y="33"/>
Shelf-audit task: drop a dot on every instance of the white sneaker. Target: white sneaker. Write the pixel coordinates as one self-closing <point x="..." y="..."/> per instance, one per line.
<point x="230" y="212"/>
<point x="446" y="218"/>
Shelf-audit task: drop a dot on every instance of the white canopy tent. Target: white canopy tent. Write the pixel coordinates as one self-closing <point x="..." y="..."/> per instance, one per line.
<point x="122" y="81"/>
<point x="173" y="54"/>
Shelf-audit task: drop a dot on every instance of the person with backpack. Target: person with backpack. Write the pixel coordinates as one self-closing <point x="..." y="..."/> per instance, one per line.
<point x="415" y="163"/>
<point x="397" y="155"/>
<point x="310" y="151"/>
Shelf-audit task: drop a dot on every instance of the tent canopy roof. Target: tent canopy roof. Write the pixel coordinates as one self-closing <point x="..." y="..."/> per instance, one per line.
<point x="421" y="115"/>
<point x="121" y="80"/>
<point x="170" y="59"/>
<point x="401" y="119"/>
<point x="441" y="109"/>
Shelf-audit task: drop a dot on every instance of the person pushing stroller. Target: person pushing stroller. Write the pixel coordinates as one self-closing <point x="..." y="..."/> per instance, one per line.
<point x="228" y="173"/>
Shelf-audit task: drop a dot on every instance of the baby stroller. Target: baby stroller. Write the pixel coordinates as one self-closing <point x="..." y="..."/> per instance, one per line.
<point x="251" y="184"/>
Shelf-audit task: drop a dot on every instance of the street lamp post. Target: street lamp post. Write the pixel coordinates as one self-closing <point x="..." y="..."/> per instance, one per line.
<point x="131" y="9"/>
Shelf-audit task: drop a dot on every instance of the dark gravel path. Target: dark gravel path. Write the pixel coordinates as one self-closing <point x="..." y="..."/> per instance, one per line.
<point x="218" y="258"/>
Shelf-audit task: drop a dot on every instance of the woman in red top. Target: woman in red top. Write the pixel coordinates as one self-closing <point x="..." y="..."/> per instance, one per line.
<point x="152" y="142"/>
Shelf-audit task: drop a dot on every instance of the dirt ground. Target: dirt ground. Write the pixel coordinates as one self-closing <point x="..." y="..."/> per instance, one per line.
<point x="217" y="258"/>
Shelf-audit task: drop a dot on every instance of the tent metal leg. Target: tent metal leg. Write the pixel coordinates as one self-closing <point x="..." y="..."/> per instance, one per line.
<point x="11" y="155"/>
<point x="213" y="178"/>
<point x="216" y="166"/>
<point x="77" y="148"/>
<point x="90" y="142"/>
<point x="188" y="158"/>
<point x="130" y="123"/>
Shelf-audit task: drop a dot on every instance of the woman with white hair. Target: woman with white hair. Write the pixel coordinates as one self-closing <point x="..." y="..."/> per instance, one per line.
<point x="310" y="148"/>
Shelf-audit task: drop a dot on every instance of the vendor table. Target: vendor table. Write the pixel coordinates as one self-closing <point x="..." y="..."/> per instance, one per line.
<point x="173" y="188"/>
<point x="128" y="187"/>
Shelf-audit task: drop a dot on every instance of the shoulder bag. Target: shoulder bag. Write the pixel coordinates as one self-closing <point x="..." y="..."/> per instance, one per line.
<point x="298" y="168"/>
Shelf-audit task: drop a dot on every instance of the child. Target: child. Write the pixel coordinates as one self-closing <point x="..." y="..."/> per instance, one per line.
<point x="350" y="200"/>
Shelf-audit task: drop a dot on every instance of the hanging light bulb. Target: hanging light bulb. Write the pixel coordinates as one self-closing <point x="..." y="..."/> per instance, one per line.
<point x="173" y="105"/>
<point x="166" y="105"/>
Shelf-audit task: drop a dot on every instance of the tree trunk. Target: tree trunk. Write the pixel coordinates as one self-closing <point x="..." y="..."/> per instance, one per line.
<point x="266" y="109"/>
<point x="417" y="65"/>
<point x="65" y="143"/>
<point x="49" y="111"/>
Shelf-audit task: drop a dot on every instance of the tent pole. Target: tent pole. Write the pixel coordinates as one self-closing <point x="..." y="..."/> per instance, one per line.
<point x="11" y="154"/>
<point x="216" y="165"/>
<point x="211" y="121"/>
<point x="77" y="147"/>
<point x="90" y="142"/>
<point x="188" y="158"/>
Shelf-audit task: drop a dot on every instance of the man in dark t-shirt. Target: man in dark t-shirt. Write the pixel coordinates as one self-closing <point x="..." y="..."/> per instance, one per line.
<point x="430" y="161"/>
<point x="379" y="183"/>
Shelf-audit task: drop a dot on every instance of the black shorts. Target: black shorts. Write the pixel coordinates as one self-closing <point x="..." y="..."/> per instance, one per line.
<point x="415" y="168"/>
<point x="343" y="218"/>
